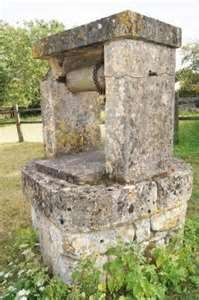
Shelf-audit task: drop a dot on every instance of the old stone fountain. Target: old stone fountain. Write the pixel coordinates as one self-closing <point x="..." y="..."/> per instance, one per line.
<point x="90" y="192"/>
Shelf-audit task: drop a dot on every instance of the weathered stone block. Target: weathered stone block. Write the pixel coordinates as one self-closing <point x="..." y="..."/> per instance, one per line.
<point x="75" y="220"/>
<point x="70" y="121"/>
<point x="82" y="208"/>
<point x="143" y="230"/>
<point x="141" y="108"/>
<point x="175" y="189"/>
<point x="168" y="219"/>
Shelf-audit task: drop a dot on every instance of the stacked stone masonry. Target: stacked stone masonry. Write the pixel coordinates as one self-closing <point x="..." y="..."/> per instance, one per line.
<point x="89" y="193"/>
<point x="75" y="220"/>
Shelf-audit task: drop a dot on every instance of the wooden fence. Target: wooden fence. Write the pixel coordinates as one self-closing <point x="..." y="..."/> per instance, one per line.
<point x="192" y="117"/>
<point x="15" y="114"/>
<point x="188" y="103"/>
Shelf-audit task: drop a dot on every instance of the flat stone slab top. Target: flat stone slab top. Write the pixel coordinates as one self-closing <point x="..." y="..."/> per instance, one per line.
<point x="89" y="168"/>
<point x="126" y="24"/>
<point x="78" y="168"/>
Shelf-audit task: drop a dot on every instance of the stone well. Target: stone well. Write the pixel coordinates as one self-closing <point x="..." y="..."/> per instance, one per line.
<point x="89" y="193"/>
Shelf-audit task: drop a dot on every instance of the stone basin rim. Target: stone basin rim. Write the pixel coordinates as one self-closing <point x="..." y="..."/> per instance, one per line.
<point x="90" y="172"/>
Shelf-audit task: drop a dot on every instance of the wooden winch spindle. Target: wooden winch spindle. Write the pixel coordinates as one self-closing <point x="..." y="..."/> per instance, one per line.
<point x="86" y="79"/>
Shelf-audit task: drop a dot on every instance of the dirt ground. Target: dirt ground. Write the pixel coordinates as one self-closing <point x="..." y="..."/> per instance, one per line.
<point x="31" y="133"/>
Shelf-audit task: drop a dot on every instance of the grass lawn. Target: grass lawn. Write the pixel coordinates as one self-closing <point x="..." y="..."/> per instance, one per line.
<point x="188" y="149"/>
<point x="189" y="113"/>
<point x="14" y="210"/>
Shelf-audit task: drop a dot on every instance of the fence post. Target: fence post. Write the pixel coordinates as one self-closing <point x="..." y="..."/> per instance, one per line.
<point x="18" y="124"/>
<point x="176" y="120"/>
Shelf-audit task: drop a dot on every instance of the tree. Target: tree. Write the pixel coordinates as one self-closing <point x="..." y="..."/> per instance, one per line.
<point x="191" y="56"/>
<point x="20" y="74"/>
<point x="189" y="74"/>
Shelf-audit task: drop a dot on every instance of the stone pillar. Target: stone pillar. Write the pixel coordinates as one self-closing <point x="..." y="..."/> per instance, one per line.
<point x="140" y="81"/>
<point x="70" y="121"/>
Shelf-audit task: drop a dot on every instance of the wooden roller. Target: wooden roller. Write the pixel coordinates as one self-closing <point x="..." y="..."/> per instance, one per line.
<point x="86" y="79"/>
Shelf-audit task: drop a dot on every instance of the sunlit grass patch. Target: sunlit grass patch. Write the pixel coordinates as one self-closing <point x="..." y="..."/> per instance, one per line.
<point x="14" y="210"/>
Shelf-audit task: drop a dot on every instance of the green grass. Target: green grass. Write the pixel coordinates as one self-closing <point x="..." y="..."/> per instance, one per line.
<point x="188" y="149"/>
<point x="189" y="113"/>
<point x="14" y="210"/>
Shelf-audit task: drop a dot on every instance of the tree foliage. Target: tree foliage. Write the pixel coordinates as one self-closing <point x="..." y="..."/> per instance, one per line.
<point x="189" y="74"/>
<point x="191" y="56"/>
<point x="20" y="74"/>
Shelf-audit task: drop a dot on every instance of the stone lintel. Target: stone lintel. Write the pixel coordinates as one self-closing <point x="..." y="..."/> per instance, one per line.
<point x="126" y="24"/>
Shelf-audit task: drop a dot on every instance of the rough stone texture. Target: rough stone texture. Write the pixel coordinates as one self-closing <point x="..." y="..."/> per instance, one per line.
<point x="126" y="24"/>
<point x="168" y="219"/>
<point x="70" y="121"/>
<point x="79" y="168"/>
<point x="175" y="188"/>
<point x="87" y="199"/>
<point x="76" y="220"/>
<point x="140" y="107"/>
<point x="86" y="207"/>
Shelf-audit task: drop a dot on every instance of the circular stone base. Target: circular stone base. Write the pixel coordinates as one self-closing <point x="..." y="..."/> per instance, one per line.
<point x="77" y="219"/>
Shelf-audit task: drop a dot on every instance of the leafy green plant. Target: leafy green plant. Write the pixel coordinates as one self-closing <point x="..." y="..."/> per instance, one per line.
<point x="25" y="276"/>
<point x="86" y="278"/>
<point x="20" y="74"/>
<point x="169" y="272"/>
<point x="165" y="272"/>
<point x="188" y="75"/>
<point x="129" y="274"/>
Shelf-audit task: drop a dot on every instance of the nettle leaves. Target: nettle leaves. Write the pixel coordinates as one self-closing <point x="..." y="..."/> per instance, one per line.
<point x="128" y="273"/>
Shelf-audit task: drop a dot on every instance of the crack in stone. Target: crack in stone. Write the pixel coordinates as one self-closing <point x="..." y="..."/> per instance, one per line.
<point x="136" y="76"/>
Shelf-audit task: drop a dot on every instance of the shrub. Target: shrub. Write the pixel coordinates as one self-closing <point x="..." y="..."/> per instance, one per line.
<point x="25" y="277"/>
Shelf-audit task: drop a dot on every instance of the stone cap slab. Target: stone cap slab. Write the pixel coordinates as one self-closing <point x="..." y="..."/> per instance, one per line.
<point x="126" y="24"/>
<point x="78" y="168"/>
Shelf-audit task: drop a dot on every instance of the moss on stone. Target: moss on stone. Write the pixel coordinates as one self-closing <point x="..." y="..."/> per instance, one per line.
<point x="78" y="139"/>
